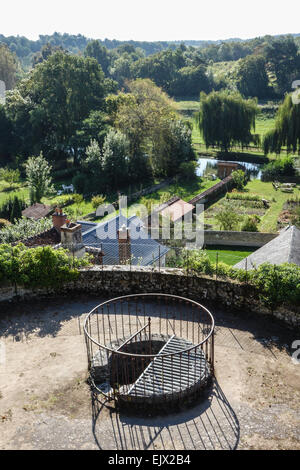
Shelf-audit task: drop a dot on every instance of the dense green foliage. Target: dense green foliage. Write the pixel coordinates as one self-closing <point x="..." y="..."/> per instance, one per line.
<point x="239" y="179"/>
<point x="52" y="102"/>
<point x="275" y="284"/>
<point x="287" y="128"/>
<point x="11" y="209"/>
<point x="8" y="67"/>
<point x="251" y="77"/>
<point x="37" y="267"/>
<point x="226" y="119"/>
<point x="278" y="169"/>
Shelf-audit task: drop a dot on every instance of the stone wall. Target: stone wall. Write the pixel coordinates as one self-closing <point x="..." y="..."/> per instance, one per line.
<point x="212" y="193"/>
<point x="228" y="238"/>
<point x="111" y="281"/>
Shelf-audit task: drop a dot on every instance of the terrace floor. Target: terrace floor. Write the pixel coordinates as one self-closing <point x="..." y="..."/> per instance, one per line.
<point x="45" y="402"/>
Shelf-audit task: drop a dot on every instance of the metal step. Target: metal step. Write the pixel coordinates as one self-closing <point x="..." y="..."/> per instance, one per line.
<point x="165" y="375"/>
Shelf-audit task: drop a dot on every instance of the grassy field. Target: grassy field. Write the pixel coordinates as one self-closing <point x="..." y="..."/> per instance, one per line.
<point x="7" y="192"/>
<point x="230" y="257"/>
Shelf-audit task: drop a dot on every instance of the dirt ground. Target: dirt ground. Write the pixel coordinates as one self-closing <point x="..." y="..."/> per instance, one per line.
<point x="45" y="402"/>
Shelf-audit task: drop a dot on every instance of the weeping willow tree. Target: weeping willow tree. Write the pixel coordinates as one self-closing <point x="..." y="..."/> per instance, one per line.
<point x="226" y="119"/>
<point x="287" y="129"/>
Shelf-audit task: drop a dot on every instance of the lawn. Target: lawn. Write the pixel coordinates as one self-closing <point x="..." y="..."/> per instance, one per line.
<point x="230" y="257"/>
<point x="7" y="192"/>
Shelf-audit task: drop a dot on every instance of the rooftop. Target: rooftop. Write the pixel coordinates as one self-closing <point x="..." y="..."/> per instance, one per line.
<point x="177" y="210"/>
<point x="144" y="249"/>
<point x="283" y="249"/>
<point x="36" y="211"/>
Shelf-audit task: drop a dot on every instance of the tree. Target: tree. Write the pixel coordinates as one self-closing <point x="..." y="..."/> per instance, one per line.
<point x="172" y="146"/>
<point x="251" y="77"/>
<point x="116" y="159"/>
<point x="100" y="53"/>
<point x="52" y="102"/>
<point x="46" y="51"/>
<point x="6" y="134"/>
<point x="226" y="119"/>
<point x="38" y="178"/>
<point x="140" y="117"/>
<point x="8" y="67"/>
<point x="283" y="62"/>
<point x="93" y="161"/>
<point x="287" y="129"/>
<point x="94" y="127"/>
<point x="190" y="81"/>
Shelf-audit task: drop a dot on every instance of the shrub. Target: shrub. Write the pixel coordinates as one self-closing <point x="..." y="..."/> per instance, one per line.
<point x="227" y="218"/>
<point x="242" y="196"/>
<point x="9" y="175"/>
<point x="278" y="169"/>
<point x="250" y="224"/>
<point x="239" y="179"/>
<point x="98" y="201"/>
<point x="187" y="171"/>
<point x="38" y="267"/>
<point x="275" y="284"/>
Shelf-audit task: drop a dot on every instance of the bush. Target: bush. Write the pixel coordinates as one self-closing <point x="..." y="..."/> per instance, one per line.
<point x="227" y="218"/>
<point x="98" y="201"/>
<point x="187" y="171"/>
<point x="275" y="284"/>
<point x="278" y="169"/>
<point x="250" y="224"/>
<point x="38" y="267"/>
<point x="242" y="196"/>
<point x="239" y="179"/>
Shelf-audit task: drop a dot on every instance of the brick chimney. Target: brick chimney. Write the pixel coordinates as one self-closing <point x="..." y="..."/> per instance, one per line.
<point x="71" y="239"/>
<point x="58" y="219"/>
<point x="124" y="244"/>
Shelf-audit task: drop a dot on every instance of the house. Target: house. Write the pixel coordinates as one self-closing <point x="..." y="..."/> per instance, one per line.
<point x="122" y="240"/>
<point x="177" y="210"/>
<point x="283" y="249"/>
<point x="117" y="241"/>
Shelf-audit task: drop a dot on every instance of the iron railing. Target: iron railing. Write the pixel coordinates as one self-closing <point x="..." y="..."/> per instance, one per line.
<point x="150" y="349"/>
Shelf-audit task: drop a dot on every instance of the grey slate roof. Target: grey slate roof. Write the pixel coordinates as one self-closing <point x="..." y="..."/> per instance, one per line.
<point x="144" y="250"/>
<point x="283" y="249"/>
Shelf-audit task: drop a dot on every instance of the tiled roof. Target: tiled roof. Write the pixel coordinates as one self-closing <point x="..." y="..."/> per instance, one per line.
<point x="144" y="250"/>
<point x="36" y="211"/>
<point x="283" y="249"/>
<point x="177" y="210"/>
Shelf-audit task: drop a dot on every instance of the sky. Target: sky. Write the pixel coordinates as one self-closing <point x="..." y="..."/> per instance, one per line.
<point x="150" y="20"/>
